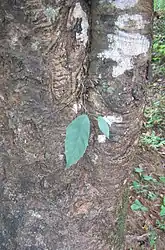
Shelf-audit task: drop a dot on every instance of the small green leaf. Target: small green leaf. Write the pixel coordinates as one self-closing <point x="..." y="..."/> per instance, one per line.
<point x="137" y="205"/>
<point x="162" y="210"/>
<point x="136" y="185"/>
<point x="147" y="178"/>
<point x="76" y="142"/>
<point x="152" y="239"/>
<point x="162" y="179"/>
<point x="151" y="196"/>
<point x="142" y="191"/>
<point x="103" y="126"/>
<point x="138" y="170"/>
<point x="164" y="201"/>
<point x="160" y="224"/>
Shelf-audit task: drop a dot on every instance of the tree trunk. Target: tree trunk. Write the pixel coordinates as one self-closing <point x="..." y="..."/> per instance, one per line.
<point x="60" y="59"/>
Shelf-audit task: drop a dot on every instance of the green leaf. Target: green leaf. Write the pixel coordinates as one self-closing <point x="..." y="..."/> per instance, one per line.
<point x="162" y="210"/>
<point x="164" y="201"/>
<point x="151" y="196"/>
<point x="142" y="191"/>
<point x="152" y="239"/>
<point x="138" y="170"/>
<point x="103" y="126"/>
<point x="160" y="224"/>
<point x="148" y="178"/>
<point x="136" y="185"/>
<point x="137" y="205"/>
<point x="162" y="179"/>
<point x="77" y="137"/>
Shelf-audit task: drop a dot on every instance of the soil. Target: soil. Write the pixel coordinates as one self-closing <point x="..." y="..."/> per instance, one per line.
<point x="140" y="225"/>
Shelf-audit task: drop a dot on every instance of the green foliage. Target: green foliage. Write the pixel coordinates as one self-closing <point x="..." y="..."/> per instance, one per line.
<point x="138" y="206"/>
<point x="138" y="170"/>
<point x="155" y="115"/>
<point x="77" y="136"/>
<point x="153" y="140"/>
<point x="162" y="209"/>
<point x="151" y="191"/>
<point x="153" y="134"/>
<point x="160" y="224"/>
<point x="153" y="239"/>
<point x="158" y="52"/>
<point x="103" y="126"/>
<point x="148" y="178"/>
<point x="136" y="185"/>
<point x="152" y="196"/>
<point x="159" y="5"/>
<point x="162" y="179"/>
<point x="139" y="188"/>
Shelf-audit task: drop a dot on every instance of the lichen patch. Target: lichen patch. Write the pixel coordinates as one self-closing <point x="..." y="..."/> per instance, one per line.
<point x="51" y="14"/>
<point x="130" y="22"/>
<point x="124" y="4"/>
<point x="123" y="46"/>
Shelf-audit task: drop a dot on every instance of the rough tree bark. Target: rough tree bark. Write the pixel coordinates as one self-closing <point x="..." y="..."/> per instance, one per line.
<point x="60" y="58"/>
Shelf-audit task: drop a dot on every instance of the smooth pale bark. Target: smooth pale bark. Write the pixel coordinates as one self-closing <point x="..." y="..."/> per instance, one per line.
<point x="60" y="58"/>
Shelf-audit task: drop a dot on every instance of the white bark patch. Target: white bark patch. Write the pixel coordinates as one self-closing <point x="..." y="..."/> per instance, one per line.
<point x="113" y="119"/>
<point x="101" y="138"/>
<point x="76" y="107"/>
<point x="121" y="4"/>
<point x="79" y="13"/>
<point x="61" y="157"/>
<point x="123" y="46"/>
<point x="95" y="158"/>
<point x="35" y="45"/>
<point x="35" y="214"/>
<point x="14" y="39"/>
<point x="124" y="4"/>
<point x="131" y="22"/>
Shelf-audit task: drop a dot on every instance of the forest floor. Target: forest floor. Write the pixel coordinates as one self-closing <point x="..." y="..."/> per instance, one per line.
<point x="146" y="213"/>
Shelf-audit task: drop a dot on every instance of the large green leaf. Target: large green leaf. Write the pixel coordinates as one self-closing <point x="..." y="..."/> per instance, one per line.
<point x="103" y="126"/>
<point x="77" y="137"/>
